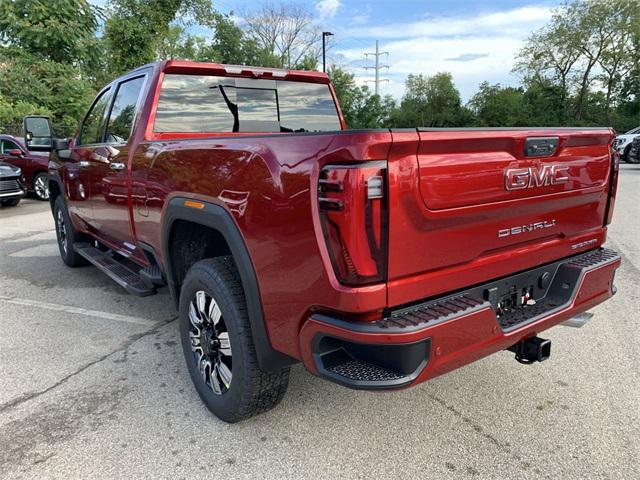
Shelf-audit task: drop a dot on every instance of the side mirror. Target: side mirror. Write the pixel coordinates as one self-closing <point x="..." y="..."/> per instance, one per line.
<point x="15" y="152"/>
<point x="60" y="144"/>
<point x="37" y="133"/>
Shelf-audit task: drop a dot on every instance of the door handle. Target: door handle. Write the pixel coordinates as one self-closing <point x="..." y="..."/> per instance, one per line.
<point x="116" y="166"/>
<point x="83" y="164"/>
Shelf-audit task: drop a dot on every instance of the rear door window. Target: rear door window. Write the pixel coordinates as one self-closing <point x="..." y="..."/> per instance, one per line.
<point x="123" y="111"/>
<point x="197" y="103"/>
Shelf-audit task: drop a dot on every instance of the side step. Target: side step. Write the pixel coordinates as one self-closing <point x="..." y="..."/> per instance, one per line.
<point x="122" y="275"/>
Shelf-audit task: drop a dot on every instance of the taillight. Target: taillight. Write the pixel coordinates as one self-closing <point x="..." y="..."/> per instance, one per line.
<point x="352" y="201"/>
<point x="613" y="186"/>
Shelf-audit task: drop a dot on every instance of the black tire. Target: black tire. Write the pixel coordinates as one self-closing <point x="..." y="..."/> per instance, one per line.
<point x="635" y="158"/>
<point x="66" y="235"/>
<point x="249" y="390"/>
<point x="41" y="186"/>
<point x="625" y="155"/>
<point x="10" y="203"/>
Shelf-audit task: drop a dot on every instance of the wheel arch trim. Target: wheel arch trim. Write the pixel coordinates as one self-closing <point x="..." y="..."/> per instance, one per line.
<point x="217" y="218"/>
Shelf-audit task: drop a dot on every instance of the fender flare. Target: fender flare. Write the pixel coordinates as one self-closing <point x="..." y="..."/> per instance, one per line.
<point x="54" y="177"/>
<point x="217" y="218"/>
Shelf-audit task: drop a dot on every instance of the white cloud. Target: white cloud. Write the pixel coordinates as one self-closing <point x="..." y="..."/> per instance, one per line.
<point x="472" y="48"/>
<point x="327" y="8"/>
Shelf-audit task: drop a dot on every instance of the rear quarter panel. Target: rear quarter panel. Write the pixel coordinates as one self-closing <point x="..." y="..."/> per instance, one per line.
<point x="268" y="184"/>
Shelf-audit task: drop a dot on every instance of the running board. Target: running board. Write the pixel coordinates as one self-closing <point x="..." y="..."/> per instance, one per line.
<point x="119" y="273"/>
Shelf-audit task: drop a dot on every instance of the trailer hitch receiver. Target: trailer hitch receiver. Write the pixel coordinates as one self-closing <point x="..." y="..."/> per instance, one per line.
<point x="530" y="350"/>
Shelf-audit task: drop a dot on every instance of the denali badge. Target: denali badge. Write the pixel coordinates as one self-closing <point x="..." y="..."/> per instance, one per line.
<point x="532" y="177"/>
<point x="532" y="227"/>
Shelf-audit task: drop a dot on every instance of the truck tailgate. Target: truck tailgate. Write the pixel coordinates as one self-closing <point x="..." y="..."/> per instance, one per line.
<point x="466" y="206"/>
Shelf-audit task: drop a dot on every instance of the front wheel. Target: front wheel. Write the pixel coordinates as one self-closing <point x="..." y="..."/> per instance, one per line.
<point x="10" y="203"/>
<point x="41" y="186"/>
<point x="66" y="235"/>
<point x="218" y="345"/>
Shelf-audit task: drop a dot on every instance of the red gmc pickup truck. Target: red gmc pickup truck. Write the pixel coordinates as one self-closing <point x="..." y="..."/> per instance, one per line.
<point x="378" y="258"/>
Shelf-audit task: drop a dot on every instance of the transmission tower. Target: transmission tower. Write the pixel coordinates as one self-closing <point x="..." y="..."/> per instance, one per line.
<point x="377" y="67"/>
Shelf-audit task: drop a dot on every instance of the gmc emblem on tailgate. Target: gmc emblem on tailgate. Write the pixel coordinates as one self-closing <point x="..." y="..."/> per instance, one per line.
<point x="532" y="177"/>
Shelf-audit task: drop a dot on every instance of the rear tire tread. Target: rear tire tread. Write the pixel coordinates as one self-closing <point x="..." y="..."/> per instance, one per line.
<point x="261" y="391"/>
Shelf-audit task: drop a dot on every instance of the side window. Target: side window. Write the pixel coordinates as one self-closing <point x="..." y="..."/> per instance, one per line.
<point x="94" y="122"/>
<point x="123" y="111"/>
<point x="6" y="145"/>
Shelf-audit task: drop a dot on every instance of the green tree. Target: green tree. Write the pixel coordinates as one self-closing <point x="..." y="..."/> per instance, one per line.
<point x="618" y="59"/>
<point x="360" y="108"/>
<point x="550" y="54"/>
<point x="287" y="32"/>
<point x="588" y="46"/>
<point x="430" y="101"/>
<point x="44" y="58"/>
<point x="56" y="30"/>
<point x="136" y="29"/>
<point x="497" y="106"/>
<point x="179" y="44"/>
<point x="232" y="46"/>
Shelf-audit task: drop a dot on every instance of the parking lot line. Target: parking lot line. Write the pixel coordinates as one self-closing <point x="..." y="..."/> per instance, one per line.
<point x="80" y="311"/>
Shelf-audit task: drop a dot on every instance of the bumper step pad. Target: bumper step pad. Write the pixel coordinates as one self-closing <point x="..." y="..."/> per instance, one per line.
<point x="359" y="370"/>
<point x="431" y="312"/>
<point x="119" y="273"/>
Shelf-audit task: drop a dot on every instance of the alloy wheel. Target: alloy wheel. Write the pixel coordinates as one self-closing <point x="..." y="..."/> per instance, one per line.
<point x="41" y="188"/>
<point x="210" y="342"/>
<point x="62" y="230"/>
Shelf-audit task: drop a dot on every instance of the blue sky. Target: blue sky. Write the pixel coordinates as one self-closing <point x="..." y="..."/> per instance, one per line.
<point x="474" y="40"/>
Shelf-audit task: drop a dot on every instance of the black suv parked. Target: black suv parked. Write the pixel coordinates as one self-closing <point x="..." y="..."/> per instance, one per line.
<point x="12" y="187"/>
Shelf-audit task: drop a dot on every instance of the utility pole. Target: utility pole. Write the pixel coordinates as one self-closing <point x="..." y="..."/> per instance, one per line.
<point x="377" y="67"/>
<point x="324" y="57"/>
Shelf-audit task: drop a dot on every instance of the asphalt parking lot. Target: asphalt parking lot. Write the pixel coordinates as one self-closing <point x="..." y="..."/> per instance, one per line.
<point x="93" y="385"/>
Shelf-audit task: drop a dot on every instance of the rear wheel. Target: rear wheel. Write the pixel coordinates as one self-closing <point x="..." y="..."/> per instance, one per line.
<point x="10" y="203"/>
<point x="218" y="345"/>
<point x="41" y="186"/>
<point x="66" y="235"/>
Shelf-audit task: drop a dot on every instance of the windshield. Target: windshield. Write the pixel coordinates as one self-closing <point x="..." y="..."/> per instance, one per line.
<point x="633" y="132"/>
<point x="199" y="103"/>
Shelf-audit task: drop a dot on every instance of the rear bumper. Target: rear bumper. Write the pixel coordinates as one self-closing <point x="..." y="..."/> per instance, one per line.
<point x="430" y="338"/>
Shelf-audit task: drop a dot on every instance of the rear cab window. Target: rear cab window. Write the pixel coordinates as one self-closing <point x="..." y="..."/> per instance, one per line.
<point x="214" y="104"/>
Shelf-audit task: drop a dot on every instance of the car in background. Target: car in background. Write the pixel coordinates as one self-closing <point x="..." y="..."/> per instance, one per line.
<point x="12" y="187"/>
<point x="622" y="143"/>
<point x="634" y="152"/>
<point x="33" y="165"/>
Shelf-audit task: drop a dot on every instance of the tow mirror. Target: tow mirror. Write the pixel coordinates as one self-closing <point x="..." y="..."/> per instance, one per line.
<point x="60" y="144"/>
<point x="37" y="133"/>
